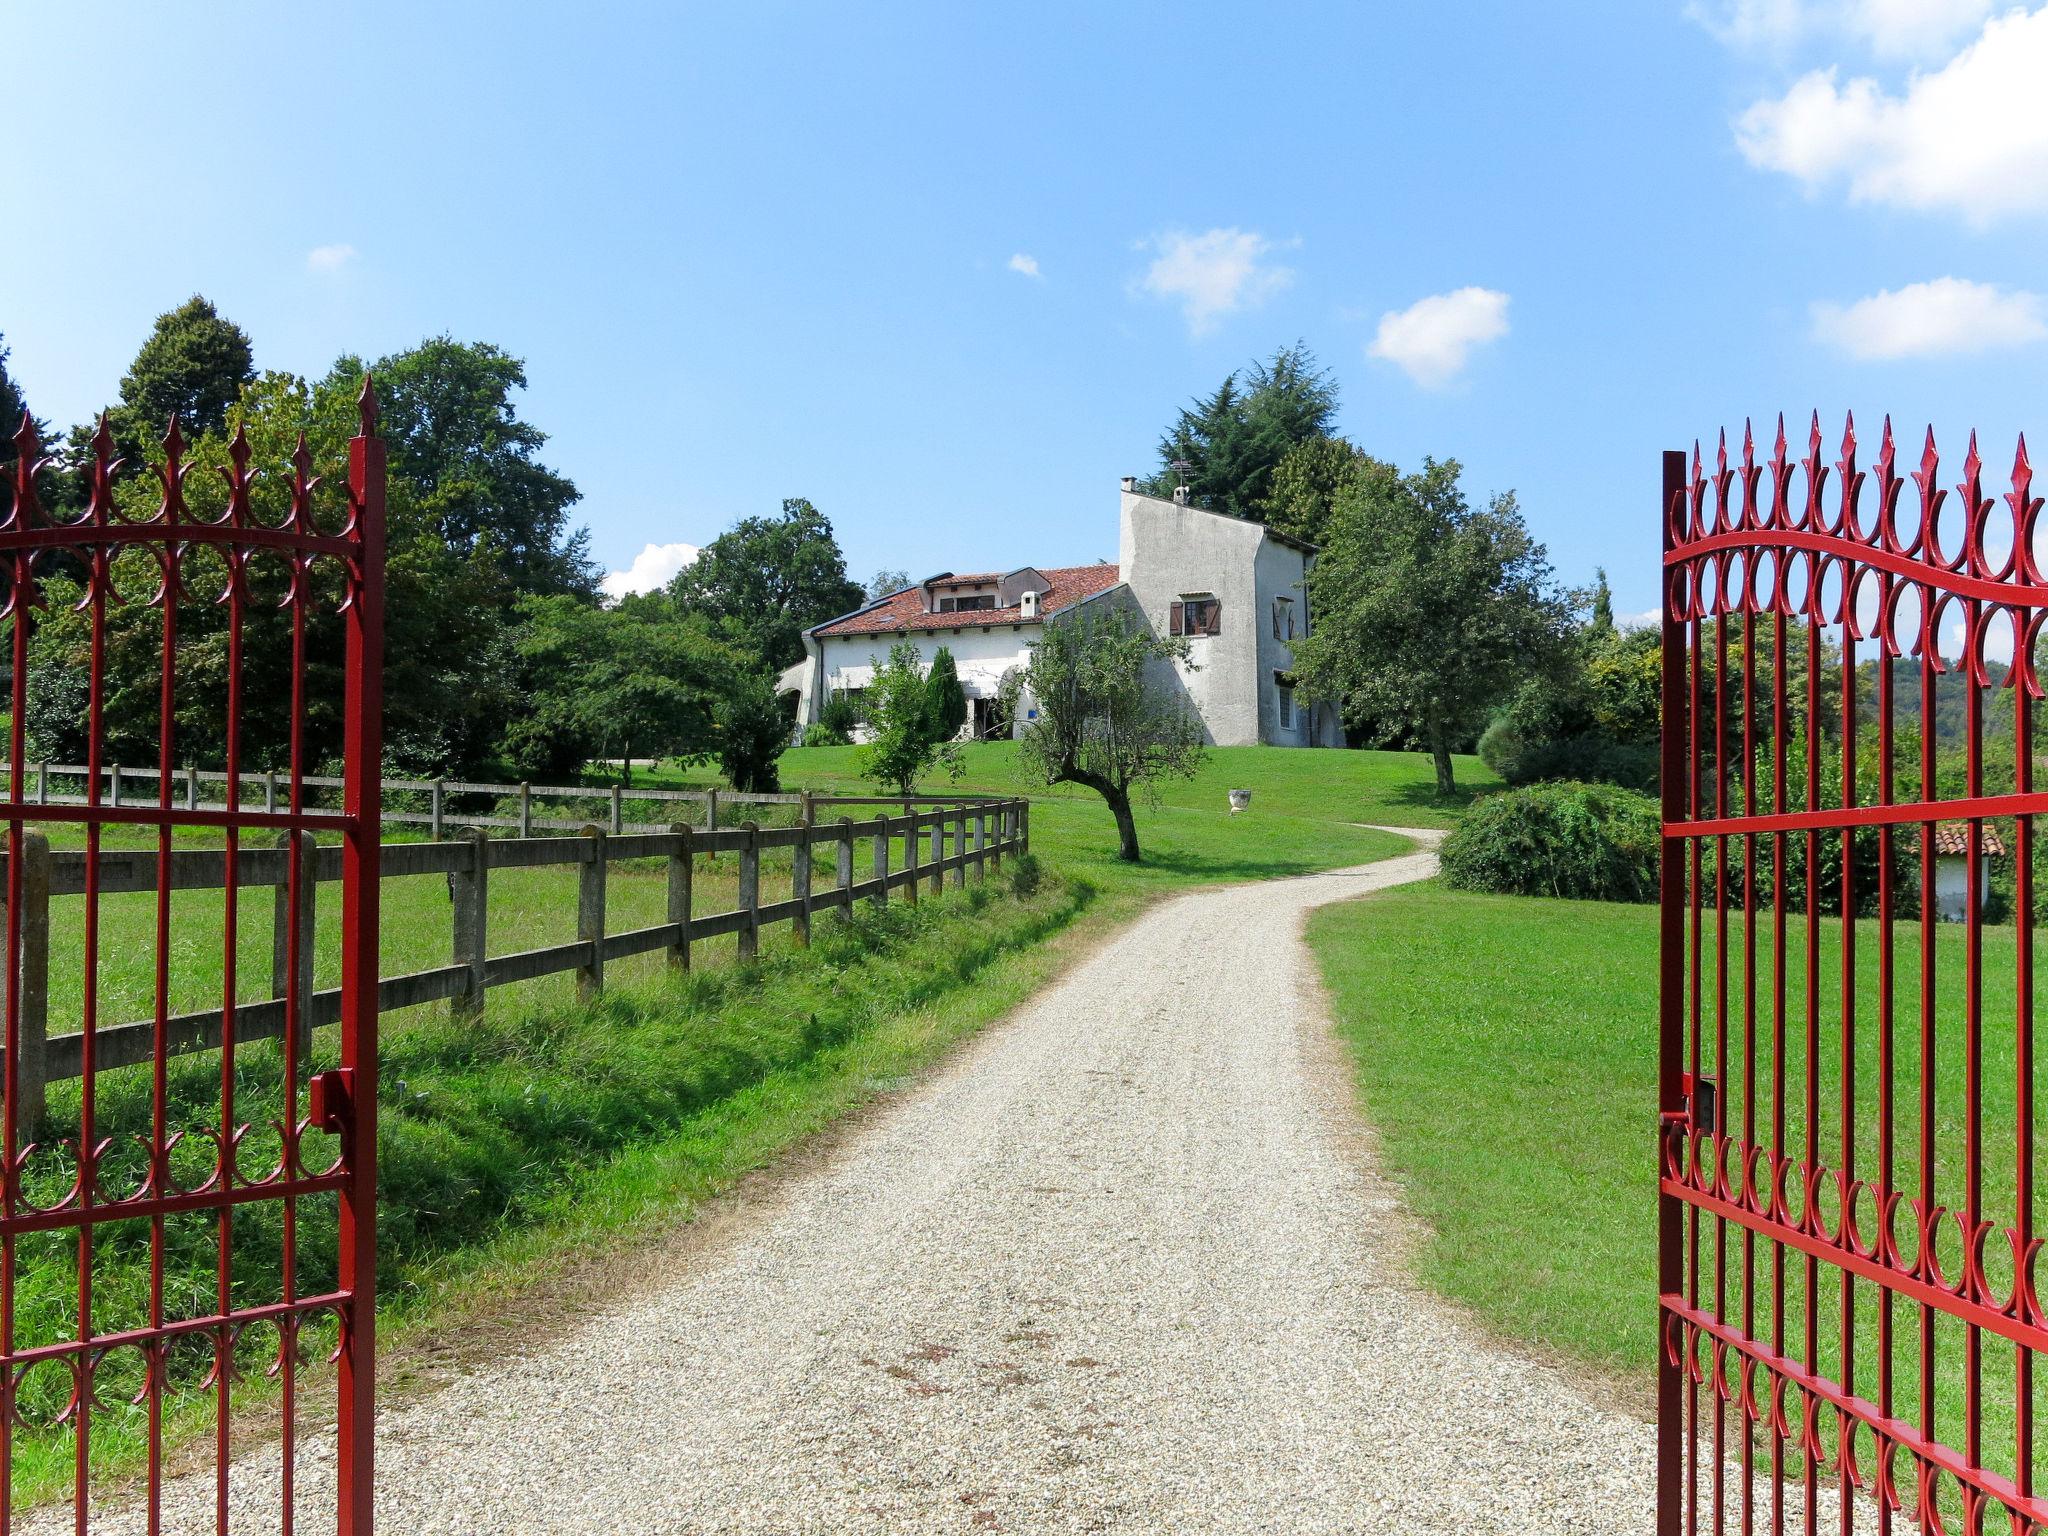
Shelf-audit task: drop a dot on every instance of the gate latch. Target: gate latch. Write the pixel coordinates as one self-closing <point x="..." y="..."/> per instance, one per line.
<point x="1702" y="1102"/>
<point x="330" y="1100"/>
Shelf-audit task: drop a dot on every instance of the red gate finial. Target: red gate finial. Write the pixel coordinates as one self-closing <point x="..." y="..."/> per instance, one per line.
<point x="366" y="406"/>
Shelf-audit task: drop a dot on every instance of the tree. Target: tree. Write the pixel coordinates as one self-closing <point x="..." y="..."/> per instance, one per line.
<point x="903" y="742"/>
<point x="948" y="698"/>
<point x="452" y="431"/>
<point x="1602" y="622"/>
<point x="1234" y="439"/>
<point x="193" y="365"/>
<point x="1104" y="721"/>
<point x="1307" y="483"/>
<point x="12" y="405"/>
<point x="766" y="580"/>
<point x="631" y="681"/>
<point x="753" y="732"/>
<point x="1428" y="611"/>
<point x="887" y="582"/>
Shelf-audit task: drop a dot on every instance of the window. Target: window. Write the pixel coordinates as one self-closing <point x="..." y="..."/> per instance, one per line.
<point x="1286" y="706"/>
<point x="1198" y="615"/>
<point x="980" y="604"/>
<point x="1283" y="618"/>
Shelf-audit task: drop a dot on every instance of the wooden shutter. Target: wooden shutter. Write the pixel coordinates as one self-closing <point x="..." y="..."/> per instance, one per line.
<point x="1174" y="624"/>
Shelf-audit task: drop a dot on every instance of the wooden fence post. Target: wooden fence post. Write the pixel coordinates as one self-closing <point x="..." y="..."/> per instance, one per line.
<point x="435" y="798"/>
<point x="31" y="1070"/>
<point x="960" y="849"/>
<point x="800" y="887"/>
<point x="43" y="784"/>
<point x="191" y="787"/>
<point x="469" y="892"/>
<point x="882" y="860"/>
<point x="281" y="933"/>
<point x="750" y="891"/>
<point x="114" y="784"/>
<point x="710" y="810"/>
<point x="1023" y="826"/>
<point x="590" y="915"/>
<point x="803" y="807"/>
<point x="270" y="791"/>
<point x="681" y="865"/>
<point x="910" y="858"/>
<point x="981" y="846"/>
<point x="938" y="852"/>
<point x="846" y="867"/>
<point x="618" y="808"/>
<point x="525" y="809"/>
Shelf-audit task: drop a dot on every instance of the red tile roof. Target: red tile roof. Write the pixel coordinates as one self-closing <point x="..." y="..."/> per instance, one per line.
<point x="1953" y="837"/>
<point x="905" y="610"/>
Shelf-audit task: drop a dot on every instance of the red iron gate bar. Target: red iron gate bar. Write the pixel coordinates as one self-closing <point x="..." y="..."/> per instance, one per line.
<point x="1849" y="1318"/>
<point x="258" y="599"/>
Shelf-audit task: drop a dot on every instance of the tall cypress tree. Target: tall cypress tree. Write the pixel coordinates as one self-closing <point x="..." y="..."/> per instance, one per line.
<point x="948" y="698"/>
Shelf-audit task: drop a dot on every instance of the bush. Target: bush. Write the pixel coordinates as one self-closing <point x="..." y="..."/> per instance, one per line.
<point x="819" y="734"/>
<point x="839" y="714"/>
<point x="1025" y="875"/>
<point x="1587" y="841"/>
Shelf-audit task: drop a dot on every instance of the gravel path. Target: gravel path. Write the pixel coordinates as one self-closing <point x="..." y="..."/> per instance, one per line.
<point x="1123" y="1265"/>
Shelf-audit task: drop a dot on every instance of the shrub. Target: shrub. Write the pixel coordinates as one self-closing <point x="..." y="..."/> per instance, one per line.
<point x="819" y="734"/>
<point x="1588" y="841"/>
<point x="1025" y="875"/>
<point x="839" y="714"/>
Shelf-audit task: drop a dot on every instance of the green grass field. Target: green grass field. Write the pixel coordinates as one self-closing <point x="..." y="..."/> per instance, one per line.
<point x="1506" y="1051"/>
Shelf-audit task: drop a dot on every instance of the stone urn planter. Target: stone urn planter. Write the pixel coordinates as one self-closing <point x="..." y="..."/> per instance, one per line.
<point x="1240" y="799"/>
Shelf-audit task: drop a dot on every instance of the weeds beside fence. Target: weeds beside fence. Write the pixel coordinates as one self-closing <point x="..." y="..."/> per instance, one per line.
<point x="906" y="851"/>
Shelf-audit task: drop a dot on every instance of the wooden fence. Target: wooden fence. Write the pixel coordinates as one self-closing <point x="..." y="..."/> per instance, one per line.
<point x="438" y="804"/>
<point x="981" y="834"/>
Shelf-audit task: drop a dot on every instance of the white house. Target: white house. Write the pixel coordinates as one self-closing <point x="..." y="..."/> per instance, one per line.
<point x="1232" y="587"/>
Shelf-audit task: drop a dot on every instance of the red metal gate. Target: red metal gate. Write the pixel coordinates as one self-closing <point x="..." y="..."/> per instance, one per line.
<point x="1847" y="1251"/>
<point x="180" y="1239"/>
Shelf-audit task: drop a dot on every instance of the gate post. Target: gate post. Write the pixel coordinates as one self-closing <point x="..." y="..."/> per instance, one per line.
<point x="681" y="865"/>
<point x="590" y="914"/>
<point x="31" y="1072"/>
<point x="1671" y="1002"/>
<point x="470" y="891"/>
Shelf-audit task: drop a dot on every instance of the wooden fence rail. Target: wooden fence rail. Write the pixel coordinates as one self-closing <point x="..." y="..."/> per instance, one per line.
<point x="64" y="784"/>
<point x="981" y="835"/>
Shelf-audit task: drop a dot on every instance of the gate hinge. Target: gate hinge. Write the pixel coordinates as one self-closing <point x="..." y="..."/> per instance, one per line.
<point x="1702" y="1102"/>
<point x="330" y="1100"/>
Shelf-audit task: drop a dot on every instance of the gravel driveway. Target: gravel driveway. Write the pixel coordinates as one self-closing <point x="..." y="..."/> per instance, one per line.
<point x="1122" y="1265"/>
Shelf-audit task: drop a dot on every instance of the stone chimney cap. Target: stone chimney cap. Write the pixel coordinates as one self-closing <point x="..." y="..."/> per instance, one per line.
<point x="1180" y="494"/>
<point x="1130" y="483"/>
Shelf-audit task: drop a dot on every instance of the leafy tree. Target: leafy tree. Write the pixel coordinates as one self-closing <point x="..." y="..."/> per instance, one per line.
<point x="753" y="732"/>
<point x="452" y="431"/>
<point x="839" y="715"/>
<point x="903" y="743"/>
<point x="948" y="698"/>
<point x="1104" y="721"/>
<point x="631" y="681"/>
<point x="1307" y="483"/>
<point x="886" y="582"/>
<point x="193" y="365"/>
<point x="1603" y="603"/>
<point x="1593" y="717"/>
<point x="1428" y="610"/>
<point x="1235" y="439"/>
<point x="12" y="405"/>
<point x="765" y="580"/>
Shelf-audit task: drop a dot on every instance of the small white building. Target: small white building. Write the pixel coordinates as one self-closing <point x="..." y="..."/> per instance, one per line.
<point x="1952" y="867"/>
<point x="1232" y="587"/>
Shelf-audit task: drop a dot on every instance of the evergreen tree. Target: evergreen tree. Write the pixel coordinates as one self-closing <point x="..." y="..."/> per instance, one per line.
<point x="12" y="405"/>
<point x="193" y="364"/>
<point x="948" y="698"/>
<point x="1235" y="439"/>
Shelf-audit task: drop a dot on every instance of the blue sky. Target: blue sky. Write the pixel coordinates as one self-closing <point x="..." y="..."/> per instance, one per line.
<point x="764" y="250"/>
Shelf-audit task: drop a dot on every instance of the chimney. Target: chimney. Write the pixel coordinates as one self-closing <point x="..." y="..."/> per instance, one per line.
<point x="1130" y="484"/>
<point x="1180" y="495"/>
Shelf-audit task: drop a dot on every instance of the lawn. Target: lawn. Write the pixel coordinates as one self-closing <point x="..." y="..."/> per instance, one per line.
<point x="1506" y="1051"/>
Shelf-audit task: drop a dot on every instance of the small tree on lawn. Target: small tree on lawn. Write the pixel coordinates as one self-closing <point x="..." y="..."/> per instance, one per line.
<point x="903" y="741"/>
<point x="948" y="698"/>
<point x="753" y="730"/>
<point x="1101" y="723"/>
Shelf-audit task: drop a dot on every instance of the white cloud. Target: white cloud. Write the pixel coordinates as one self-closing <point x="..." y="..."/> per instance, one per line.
<point x="1432" y="339"/>
<point x="1213" y="274"/>
<point x="654" y="567"/>
<point x="329" y="258"/>
<point x="1892" y="29"/>
<point x="1028" y="265"/>
<point x="1968" y="136"/>
<point x="1948" y="315"/>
